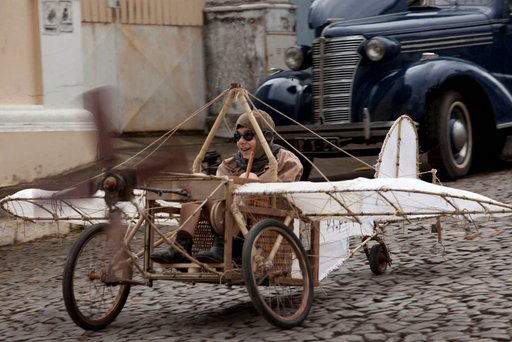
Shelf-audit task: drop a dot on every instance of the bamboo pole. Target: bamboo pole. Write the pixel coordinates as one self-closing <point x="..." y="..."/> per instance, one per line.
<point x="272" y="162"/>
<point x="196" y="167"/>
<point x="249" y="164"/>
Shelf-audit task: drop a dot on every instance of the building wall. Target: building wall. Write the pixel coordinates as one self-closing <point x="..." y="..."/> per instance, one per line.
<point x="19" y="52"/>
<point x="52" y="51"/>
<point x="158" y="55"/>
<point x="151" y="51"/>
<point x="42" y="124"/>
<point x="157" y="71"/>
<point x="61" y="53"/>
<point x="243" y="42"/>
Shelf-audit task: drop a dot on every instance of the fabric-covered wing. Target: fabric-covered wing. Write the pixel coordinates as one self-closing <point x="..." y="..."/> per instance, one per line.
<point x="381" y="199"/>
<point x="37" y="204"/>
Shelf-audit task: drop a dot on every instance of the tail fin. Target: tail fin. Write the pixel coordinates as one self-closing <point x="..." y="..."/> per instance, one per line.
<point x="399" y="155"/>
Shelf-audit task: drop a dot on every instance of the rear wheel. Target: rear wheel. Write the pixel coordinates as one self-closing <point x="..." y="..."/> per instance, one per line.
<point x="453" y="128"/>
<point x="377" y="259"/>
<point x="93" y="288"/>
<point x="277" y="274"/>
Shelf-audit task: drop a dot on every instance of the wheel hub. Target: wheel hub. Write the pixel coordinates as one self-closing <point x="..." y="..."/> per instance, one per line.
<point x="459" y="139"/>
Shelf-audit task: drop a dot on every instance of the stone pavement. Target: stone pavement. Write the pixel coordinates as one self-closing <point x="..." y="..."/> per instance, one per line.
<point x="464" y="294"/>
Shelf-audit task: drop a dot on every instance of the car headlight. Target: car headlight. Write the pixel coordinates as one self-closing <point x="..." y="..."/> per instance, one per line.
<point x="294" y="57"/>
<point x="379" y="49"/>
<point x="298" y="57"/>
<point x="376" y="49"/>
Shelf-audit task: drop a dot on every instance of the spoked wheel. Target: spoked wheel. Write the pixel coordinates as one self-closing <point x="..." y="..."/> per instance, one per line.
<point x="377" y="259"/>
<point x="92" y="285"/>
<point x="277" y="274"/>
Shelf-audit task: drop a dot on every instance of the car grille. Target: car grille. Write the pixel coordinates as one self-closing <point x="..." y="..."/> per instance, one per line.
<point x="333" y="74"/>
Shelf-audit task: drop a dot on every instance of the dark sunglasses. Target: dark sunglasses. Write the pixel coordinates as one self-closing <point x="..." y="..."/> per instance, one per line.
<point x="248" y="136"/>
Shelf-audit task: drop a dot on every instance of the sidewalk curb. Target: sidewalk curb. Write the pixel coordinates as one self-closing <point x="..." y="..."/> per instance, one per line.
<point x="14" y="231"/>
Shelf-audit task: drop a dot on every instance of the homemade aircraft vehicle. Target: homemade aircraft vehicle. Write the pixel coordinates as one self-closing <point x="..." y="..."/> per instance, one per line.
<point x="284" y="225"/>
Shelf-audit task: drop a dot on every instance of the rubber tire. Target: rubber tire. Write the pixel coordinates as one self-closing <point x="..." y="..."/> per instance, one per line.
<point x="377" y="260"/>
<point x="273" y="317"/>
<point x="81" y="318"/>
<point x="441" y="113"/>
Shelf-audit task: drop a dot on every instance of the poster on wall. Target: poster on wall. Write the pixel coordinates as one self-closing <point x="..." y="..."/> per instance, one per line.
<point x="57" y="16"/>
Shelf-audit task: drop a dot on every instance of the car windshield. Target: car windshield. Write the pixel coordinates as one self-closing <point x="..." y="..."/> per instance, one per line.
<point x="427" y="3"/>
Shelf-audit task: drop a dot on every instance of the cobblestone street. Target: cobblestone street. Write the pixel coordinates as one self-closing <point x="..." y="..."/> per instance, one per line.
<point x="256" y="171"/>
<point x="464" y="294"/>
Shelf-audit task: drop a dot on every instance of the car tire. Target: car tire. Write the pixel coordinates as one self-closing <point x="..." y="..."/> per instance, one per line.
<point x="452" y="154"/>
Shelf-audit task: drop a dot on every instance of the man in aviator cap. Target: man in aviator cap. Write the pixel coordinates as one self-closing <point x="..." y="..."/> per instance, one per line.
<point x="289" y="166"/>
<point x="289" y="169"/>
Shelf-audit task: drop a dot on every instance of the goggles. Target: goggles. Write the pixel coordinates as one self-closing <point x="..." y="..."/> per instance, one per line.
<point x="247" y="135"/>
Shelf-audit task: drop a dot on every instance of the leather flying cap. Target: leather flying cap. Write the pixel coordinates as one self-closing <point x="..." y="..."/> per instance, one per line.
<point x="262" y="118"/>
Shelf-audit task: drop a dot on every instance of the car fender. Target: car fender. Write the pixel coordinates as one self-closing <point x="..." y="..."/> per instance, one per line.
<point x="288" y="92"/>
<point x="407" y="91"/>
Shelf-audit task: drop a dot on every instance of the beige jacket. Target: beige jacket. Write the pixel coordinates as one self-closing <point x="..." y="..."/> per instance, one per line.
<point x="289" y="168"/>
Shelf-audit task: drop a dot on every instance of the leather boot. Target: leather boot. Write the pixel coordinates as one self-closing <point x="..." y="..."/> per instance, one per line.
<point x="216" y="252"/>
<point x="238" y="245"/>
<point x="172" y="255"/>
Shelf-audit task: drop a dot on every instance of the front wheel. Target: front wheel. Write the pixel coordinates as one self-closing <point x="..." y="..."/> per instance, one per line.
<point x="277" y="274"/>
<point x="452" y="127"/>
<point x="92" y="284"/>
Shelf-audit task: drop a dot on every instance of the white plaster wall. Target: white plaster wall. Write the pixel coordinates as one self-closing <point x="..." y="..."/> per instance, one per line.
<point x="18" y="231"/>
<point x="62" y="65"/>
<point x="37" y="142"/>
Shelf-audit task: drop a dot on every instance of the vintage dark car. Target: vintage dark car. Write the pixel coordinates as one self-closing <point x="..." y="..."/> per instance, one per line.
<point x="445" y="63"/>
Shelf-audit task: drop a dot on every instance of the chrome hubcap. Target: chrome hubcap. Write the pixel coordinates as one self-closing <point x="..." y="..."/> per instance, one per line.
<point x="459" y="134"/>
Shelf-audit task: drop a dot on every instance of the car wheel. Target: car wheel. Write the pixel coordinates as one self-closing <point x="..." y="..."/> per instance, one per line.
<point x="453" y="154"/>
